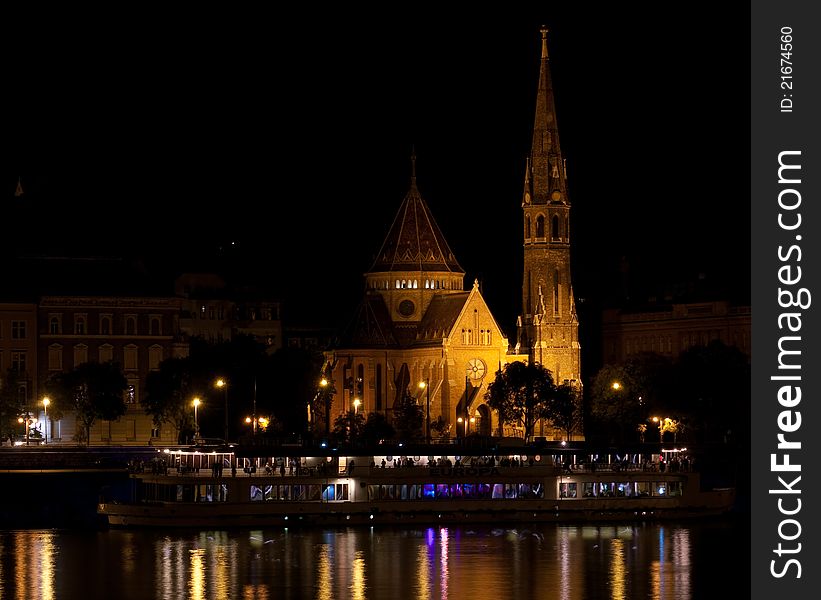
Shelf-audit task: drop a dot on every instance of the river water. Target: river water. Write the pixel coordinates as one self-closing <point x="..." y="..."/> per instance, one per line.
<point x="687" y="560"/>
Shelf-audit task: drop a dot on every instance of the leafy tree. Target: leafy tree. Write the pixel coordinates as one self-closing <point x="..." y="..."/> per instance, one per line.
<point x="440" y="426"/>
<point x="521" y="394"/>
<point x="92" y="391"/>
<point x="321" y="404"/>
<point x="167" y="394"/>
<point x="10" y="407"/>
<point x="614" y="403"/>
<point x="408" y="418"/>
<point x="377" y="429"/>
<point x="712" y="393"/>
<point x="565" y="409"/>
<point x="349" y="426"/>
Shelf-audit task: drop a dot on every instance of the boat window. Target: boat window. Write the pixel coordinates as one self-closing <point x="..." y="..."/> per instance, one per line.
<point x="441" y="490"/>
<point x="660" y="488"/>
<point x="568" y="490"/>
<point x="341" y="491"/>
<point x="589" y="489"/>
<point x="643" y="488"/>
<point x="313" y="492"/>
<point x="269" y="492"/>
<point x="256" y="493"/>
<point x="428" y="491"/>
<point x="511" y="490"/>
<point x="498" y="490"/>
<point x="299" y="492"/>
<point x="674" y="488"/>
<point x="328" y="494"/>
<point x="373" y="493"/>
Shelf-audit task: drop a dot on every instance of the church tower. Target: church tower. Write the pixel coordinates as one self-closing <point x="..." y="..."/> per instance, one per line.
<point x="548" y="328"/>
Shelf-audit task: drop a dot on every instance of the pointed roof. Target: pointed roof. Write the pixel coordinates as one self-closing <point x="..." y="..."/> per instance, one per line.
<point x="414" y="241"/>
<point x="371" y="327"/>
<point x="547" y="163"/>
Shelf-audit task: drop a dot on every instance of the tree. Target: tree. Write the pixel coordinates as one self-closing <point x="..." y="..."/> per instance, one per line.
<point x="614" y="403"/>
<point x="377" y="429"/>
<point x="348" y="427"/>
<point x="441" y="426"/>
<point x="167" y="392"/>
<point x="10" y="406"/>
<point x="521" y="394"/>
<point x="408" y="418"/>
<point x="92" y="391"/>
<point x="565" y="409"/>
<point x="321" y="403"/>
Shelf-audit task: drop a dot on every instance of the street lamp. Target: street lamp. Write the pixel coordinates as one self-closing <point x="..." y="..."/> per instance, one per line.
<point x="465" y="421"/>
<point x="327" y="393"/>
<point x="46" y="402"/>
<point x="616" y="385"/>
<point x="197" y="403"/>
<point x="425" y="385"/>
<point x="223" y="383"/>
<point x="356" y="403"/>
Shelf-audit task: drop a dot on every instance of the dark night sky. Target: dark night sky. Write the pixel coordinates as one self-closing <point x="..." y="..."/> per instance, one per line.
<point x="292" y="136"/>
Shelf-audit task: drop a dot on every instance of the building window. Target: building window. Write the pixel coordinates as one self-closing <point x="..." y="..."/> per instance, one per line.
<point x="55" y="357"/>
<point x="556" y="292"/>
<point x="79" y="325"/>
<point x="105" y="325"/>
<point x="465" y="337"/>
<point x="555" y="228"/>
<point x="540" y="226"/>
<point x="54" y="326"/>
<point x="154" y="357"/>
<point x="18" y="362"/>
<point x="131" y="325"/>
<point x="527" y="226"/>
<point x="18" y="330"/>
<point x="130" y="394"/>
<point x="106" y="353"/>
<point x="155" y="432"/>
<point x="155" y="326"/>
<point x="80" y="354"/>
<point x="130" y="357"/>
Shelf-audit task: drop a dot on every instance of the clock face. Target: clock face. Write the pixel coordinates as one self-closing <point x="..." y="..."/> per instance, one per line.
<point x="476" y="368"/>
<point x="407" y="308"/>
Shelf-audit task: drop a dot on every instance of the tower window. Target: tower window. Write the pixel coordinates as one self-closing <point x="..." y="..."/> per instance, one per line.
<point x="555" y="228"/>
<point x="527" y="226"/>
<point x="540" y="226"/>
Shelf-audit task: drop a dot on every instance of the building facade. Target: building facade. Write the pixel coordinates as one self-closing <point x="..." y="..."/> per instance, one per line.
<point x="18" y="366"/>
<point x="672" y="328"/>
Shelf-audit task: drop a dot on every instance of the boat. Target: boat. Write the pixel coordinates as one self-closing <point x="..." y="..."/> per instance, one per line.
<point x="198" y="488"/>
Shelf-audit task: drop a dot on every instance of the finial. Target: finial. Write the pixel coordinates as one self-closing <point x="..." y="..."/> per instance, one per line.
<point x="476" y="284"/>
<point x="544" y="31"/>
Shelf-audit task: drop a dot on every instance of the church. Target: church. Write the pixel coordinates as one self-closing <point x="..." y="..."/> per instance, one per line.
<point x="418" y="330"/>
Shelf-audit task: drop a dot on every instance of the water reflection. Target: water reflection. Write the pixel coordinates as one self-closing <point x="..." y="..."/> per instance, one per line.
<point x="562" y="562"/>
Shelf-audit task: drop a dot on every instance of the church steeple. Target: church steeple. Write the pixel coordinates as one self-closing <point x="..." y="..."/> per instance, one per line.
<point x="548" y="325"/>
<point x="547" y="163"/>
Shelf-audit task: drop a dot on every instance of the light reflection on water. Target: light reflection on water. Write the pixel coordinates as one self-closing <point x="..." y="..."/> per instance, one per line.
<point x="545" y="561"/>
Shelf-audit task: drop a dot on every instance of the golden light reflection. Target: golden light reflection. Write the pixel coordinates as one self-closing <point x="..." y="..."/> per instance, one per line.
<point x="196" y="585"/>
<point x="254" y="592"/>
<point x="564" y="564"/>
<point x="617" y="570"/>
<point x="46" y="564"/>
<point x="324" y="574"/>
<point x="358" y="586"/>
<point x="422" y="573"/>
<point x="21" y="554"/>
<point x="443" y="547"/>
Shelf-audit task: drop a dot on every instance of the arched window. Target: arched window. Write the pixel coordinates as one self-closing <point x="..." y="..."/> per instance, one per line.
<point x="556" y="292"/>
<point x="130" y="325"/>
<point x="555" y="228"/>
<point x="54" y="326"/>
<point x="155" y="326"/>
<point x="415" y="284"/>
<point x="540" y="226"/>
<point x="397" y="284"/>
<point x="527" y="226"/>
<point x="105" y="325"/>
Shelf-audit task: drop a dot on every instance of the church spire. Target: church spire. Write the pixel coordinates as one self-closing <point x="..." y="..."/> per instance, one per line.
<point x="549" y="183"/>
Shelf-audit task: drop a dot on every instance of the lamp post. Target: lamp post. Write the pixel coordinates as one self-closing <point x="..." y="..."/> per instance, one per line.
<point x="356" y="403"/>
<point x="46" y="402"/>
<point x="223" y="383"/>
<point x="465" y="421"/>
<point x="196" y="419"/>
<point x="425" y="385"/>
